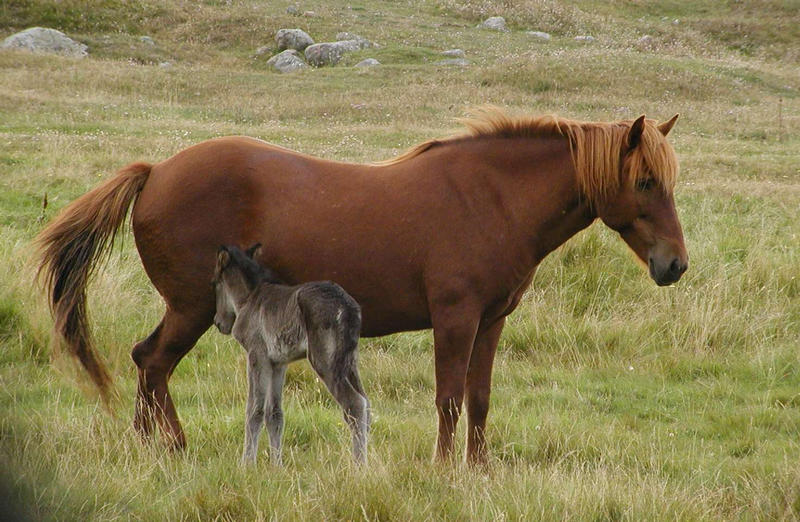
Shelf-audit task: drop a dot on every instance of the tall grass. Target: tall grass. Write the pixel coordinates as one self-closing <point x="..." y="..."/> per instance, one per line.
<point x="612" y="398"/>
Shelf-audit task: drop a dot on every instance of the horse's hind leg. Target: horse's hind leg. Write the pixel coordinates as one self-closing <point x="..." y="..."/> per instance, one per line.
<point x="345" y="386"/>
<point x="144" y="413"/>
<point x="156" y="358"/>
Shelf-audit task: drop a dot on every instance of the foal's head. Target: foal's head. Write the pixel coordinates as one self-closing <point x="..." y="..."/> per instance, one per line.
<point x="235" y="276"/>
<point x="642" y="209"/>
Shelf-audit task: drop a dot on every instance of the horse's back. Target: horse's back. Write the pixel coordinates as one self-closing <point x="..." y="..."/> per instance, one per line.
<point x="312" y="216"/>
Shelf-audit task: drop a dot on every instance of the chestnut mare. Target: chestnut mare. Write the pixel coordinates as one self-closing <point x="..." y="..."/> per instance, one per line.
<point x="447" y="235"/>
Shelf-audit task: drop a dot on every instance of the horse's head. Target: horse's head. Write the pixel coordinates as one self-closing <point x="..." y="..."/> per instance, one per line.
<point x="642" y="210"/>
<point x="235" y="274"/>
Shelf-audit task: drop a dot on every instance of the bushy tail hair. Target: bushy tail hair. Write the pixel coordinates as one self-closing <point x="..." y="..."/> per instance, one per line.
<point x="345" y="360"/>
<point x="71" y="247"/>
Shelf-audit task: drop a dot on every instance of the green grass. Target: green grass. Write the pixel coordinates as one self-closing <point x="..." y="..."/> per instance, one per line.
<point x="612" y="398"/>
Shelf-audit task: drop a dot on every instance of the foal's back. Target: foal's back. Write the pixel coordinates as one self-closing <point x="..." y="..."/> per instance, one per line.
<point x="326" y="306"/>
<point x="291" y="318"/>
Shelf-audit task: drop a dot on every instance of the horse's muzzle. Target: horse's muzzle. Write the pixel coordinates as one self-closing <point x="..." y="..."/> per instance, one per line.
<point x="223" y="329"/>
<point x="665" y="274"/>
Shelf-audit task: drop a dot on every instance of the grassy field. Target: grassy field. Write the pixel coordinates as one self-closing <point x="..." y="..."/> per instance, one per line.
<point x="613" y="398"/>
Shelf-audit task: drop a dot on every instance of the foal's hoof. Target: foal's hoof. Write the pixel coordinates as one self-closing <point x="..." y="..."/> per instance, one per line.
<point x="248" y="460"/>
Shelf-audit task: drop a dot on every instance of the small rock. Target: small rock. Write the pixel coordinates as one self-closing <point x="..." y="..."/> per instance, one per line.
<point x="289" y="60"/>
<point x="345" y="36"/>
<point x="538" y="34"/>
<point x="646" y="42"/>
<point x="329" y="53"/>
<point x="309" y="14"/>
<point x="293" y="10"/>
<point x="44" y="40"/>
<point x="292" y="39"/>
<point x="147" y="41"/>
<point x="369" y="62"/>
<point x="584" y="38"/>
<point x="454" y="53"/>
<point x="165" y="65"/>
<point x="264" y="49"/>
<point x="495" y="23"/>
<point x="461" y="62"/>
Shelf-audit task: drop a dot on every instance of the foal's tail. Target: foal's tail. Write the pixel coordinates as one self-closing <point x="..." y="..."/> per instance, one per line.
<point x="70" y="249"/>
<point x="345" y="360"/>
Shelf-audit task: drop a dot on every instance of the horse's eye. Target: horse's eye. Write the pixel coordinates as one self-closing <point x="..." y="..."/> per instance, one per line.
<point x="645" y="184"/>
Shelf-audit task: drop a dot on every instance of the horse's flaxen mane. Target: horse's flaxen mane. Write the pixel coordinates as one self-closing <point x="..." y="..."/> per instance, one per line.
<point x="597" y="148"/>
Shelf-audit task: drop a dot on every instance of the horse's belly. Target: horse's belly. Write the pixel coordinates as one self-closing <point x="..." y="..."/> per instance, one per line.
<point x="385" y="322"/>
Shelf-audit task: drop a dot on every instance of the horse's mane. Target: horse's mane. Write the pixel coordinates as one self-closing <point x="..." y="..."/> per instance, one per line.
<point x="596" y="148"/>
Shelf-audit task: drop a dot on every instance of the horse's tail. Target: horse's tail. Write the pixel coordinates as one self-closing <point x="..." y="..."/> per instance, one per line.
<point x="70" y="249"/>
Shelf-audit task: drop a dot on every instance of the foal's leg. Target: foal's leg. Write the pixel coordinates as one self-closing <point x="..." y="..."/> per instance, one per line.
<point x="322" y="350"/>
<point x="479" y="382"/>
<point x="347" y="391"/>
<point x="259" y="377"/>
<point x="156" y="358"/>
<point x="454" y="329"/>
<point x="274" y="413"/>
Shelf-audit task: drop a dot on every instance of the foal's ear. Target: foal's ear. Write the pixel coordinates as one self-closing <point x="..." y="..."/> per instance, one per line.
<point x="254" y="251"/>
<point x="223" y="257"/>
<point x="667" y="125"/>
<point x="635" y="133"/>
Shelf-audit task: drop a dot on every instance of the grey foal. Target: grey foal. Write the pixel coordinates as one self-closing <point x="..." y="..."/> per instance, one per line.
<point x="277" y="324"/>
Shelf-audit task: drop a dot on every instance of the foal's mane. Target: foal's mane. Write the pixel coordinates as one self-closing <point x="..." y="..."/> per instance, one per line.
<point x="597" y="148"/>
<point x="253" y="272"/>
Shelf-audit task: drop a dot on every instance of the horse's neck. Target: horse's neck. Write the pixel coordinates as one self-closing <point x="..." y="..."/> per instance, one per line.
<point x="535" y="179"/>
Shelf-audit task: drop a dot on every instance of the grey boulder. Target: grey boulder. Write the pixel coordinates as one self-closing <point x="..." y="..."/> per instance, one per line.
<point x="288" y="61"/>
<point x="330" y="53"/>
<point x="369" y="62"/>
<point x="495" y="23"/>
<point x="345" y="36"/>
<point x="461" y="62"/>
<point x="293" y="39"/>
<point x="454" y="53"/>
<point x="44" y="40"/>
<point x="539" y="34"/>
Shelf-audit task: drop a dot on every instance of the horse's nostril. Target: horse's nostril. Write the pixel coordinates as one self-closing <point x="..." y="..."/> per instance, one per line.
<point x="676" y="267"/>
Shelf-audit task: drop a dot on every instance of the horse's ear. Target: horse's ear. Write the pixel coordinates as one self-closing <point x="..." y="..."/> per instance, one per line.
<point x="635" y="134"/>
<point x="253" y="251"/>
<point x="667" y="125"/>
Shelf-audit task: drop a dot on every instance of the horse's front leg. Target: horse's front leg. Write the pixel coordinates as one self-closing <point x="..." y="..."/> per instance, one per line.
<point x="259" y="377"/>
<point x="479" y="383"/>
<point x="454" y="329"/>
